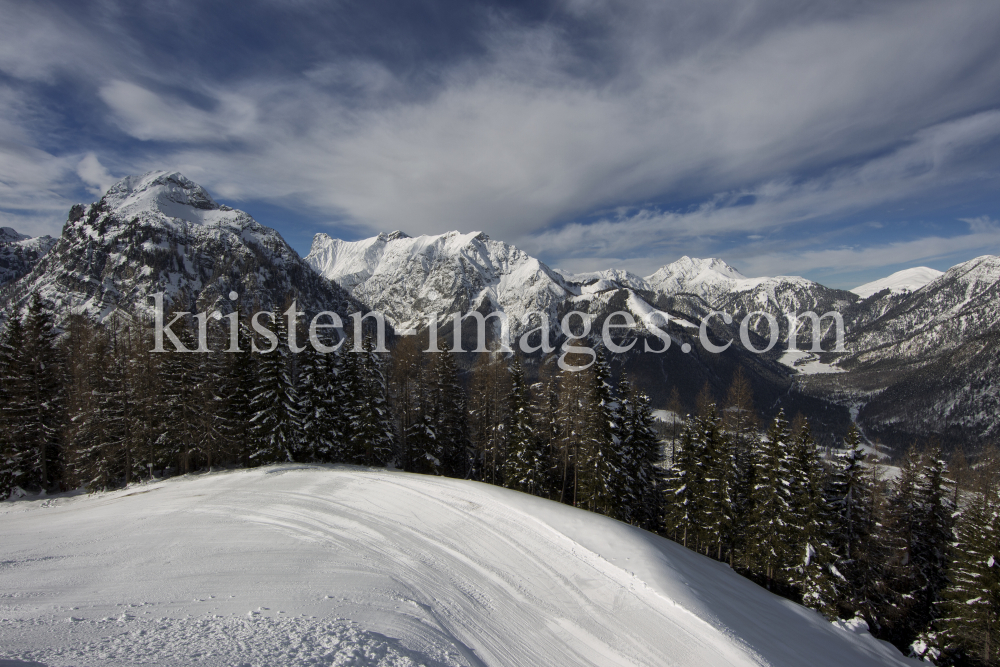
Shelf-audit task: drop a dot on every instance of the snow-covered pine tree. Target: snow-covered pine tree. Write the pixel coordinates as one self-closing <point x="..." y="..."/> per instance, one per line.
<point x="183" y="400"/>
<point x="404" y="378"/>
<point x="900" y="531"/>
<point x="639" y="482"/>
<point x="488" y="414"/>
<point x="15" y="470"/>
<point x="238" y="385"/>
<point x="452" y="428"/>
<point x="770" y="535"/>
<point x="99" y="426"/>
<point x="932" y="541"/>
<point x="720" y="476"/>
<point x="812" y="569"/>
<point x="276" y="422"/>
<point x="856" y="494"/>
<point x="525" y="466"/>
<point x="684" y="488"/>
<point x="969" y="625"/>
<point x="421" y="436"/>
<point x="316" y="393"/>
<point x="600" y="442"/>
<point x="741" y="427"/>
<point x="371" y="429"/>
<point x="35" y="406"/>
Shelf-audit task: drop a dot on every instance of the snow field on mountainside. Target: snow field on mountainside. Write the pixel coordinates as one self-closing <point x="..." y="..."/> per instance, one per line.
<point x="337" y="565"/>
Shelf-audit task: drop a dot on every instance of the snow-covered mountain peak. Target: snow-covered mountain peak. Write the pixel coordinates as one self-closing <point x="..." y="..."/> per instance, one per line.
<point x="907" y="280"/>
<point x="410" y="278"/>
<point x="11" y="235"/>
<point x="169" y="193"/>
<point x="139" y="240"/>
<point x="690" y="274"/>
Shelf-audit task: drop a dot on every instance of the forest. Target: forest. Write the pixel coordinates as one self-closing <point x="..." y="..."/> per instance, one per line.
<point x="910" y="548"/>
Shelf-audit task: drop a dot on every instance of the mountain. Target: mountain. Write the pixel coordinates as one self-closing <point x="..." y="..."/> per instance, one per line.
<point x="907" y="280"/>
<point x="11" y="235"/>
<point x="20" y="253"/>
<point x="411" y="279"/>
<point x="924" y="362"/>
<point x="163" y="232"/>
<point x="338" y="565"/>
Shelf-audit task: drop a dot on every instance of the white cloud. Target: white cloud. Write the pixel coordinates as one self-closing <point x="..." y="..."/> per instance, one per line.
<point x="92" y="172"/>
<point x="147" y="115"/>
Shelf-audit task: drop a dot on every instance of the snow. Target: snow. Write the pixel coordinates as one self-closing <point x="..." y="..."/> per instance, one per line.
<point x="806" y="363"/>
<point x="907" y="280"/>
<point x="336" y="565"/>
<point x="408" y="279"/>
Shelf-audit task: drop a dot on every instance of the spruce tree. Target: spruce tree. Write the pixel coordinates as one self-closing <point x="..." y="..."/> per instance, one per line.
<point x="371" y="427"/>
<point x="771" y="532"/>
<point x="684" y="488"/>
<point x="276" y="422"/>
<point x="525" y="466"/>
<point x="639" y="482"/>
<point x="34" y="409"/>
<point x="969" y="626"/>
<point x="452" y="424"/>
<point x="812" y="565"/>
<point x="600" y="442"/>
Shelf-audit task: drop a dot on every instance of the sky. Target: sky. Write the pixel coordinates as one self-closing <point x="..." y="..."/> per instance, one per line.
<point x="838" y="140"/>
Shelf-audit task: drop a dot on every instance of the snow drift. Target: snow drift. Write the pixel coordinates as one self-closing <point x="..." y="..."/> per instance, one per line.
<point x="323" y="565"/>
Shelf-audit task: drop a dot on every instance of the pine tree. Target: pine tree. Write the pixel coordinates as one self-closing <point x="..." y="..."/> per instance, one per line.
<point x="740" y="426"/>
<point x="488" y="414"/>
<point x="452" y="425"/>
<point x="684" y="489"/>
<point x="318" y="407"/>
<point x="970" y="619"/>
<point x="813" y="571"/>
<point x="856" y="494"/>
<point x="600" y="442"/>
<point x="239" y="385"/>
<point x="371" y="428"/>
<point x="276" y="422"/>
<point x="769" y="545"/>
<point x="34" y="401"/>
<point x="525" y="465"/>
<point x="932" y="541"/>
<point x="14" y="456"/>
<point x="639" y="482"/>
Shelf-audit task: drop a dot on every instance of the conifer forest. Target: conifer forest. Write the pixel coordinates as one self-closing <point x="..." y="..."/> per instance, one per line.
<point x="913" y="553"/>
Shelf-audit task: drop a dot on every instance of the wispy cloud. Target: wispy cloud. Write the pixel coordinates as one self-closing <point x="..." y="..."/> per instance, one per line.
<point x="526" y="125"/>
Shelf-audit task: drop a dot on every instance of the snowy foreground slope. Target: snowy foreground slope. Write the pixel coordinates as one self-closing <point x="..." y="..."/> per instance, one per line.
<point x="308" y="565"/>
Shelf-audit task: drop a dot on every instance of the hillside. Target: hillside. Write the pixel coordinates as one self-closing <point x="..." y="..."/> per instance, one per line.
<point x="312" y="565"/>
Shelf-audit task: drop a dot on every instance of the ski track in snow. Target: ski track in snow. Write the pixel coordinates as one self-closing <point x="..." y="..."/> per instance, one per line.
<point x="336" y="565"/>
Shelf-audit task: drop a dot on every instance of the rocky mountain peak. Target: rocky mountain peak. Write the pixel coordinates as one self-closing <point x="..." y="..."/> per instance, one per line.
<point x="169" y="193"/>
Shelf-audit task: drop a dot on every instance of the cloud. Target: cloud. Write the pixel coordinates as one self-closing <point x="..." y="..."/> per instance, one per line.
<point x="93" y="173"/>
<point x="934" y="158"/>
<point x="767" y="117"/>
<point x="147" y="115"/>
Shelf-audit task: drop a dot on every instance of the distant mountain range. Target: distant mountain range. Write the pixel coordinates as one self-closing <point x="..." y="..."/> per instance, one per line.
<point x="921" y="356"/>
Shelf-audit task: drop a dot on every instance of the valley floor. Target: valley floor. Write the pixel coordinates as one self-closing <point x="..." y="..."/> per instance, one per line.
<point x="338" y="565"/>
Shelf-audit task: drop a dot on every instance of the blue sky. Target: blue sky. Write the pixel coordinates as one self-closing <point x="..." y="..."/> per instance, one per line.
<point x="837" y="140"/>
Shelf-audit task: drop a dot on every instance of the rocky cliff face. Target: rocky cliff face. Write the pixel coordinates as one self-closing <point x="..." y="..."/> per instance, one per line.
<point x="161" y="232"/>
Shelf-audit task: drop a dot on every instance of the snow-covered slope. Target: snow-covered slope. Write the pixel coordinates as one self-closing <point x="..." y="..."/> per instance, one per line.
<point x="305" y="565"/>
<point x="20" y="253"/>
<point x="163" y="232"/>
<point x="10" y="235"/>
<point x="411" y="279"/>
<point x="942" y="315"/>
<point x="707" y="278"/>
<point x="907" y="280"/>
